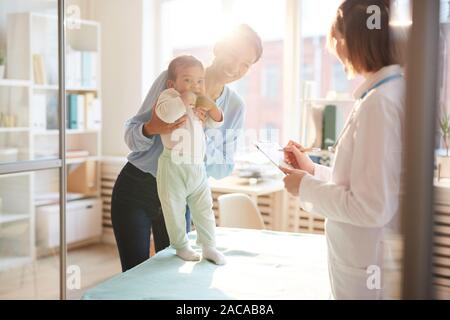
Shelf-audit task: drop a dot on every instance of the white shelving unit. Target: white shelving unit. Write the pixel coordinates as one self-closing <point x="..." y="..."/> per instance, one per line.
<point x="17" y="218"/>
<point x="29" y="34"/>
<point x="307" y="104"/>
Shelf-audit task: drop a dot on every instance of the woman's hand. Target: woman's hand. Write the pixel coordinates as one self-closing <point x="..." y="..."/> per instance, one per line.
<point x="294" y="155"/>
<point x="156" y="126"/>
<point x="293" y="180"/>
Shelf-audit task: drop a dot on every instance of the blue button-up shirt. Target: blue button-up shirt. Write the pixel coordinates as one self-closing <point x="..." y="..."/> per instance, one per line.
<point x="221" y="143"/>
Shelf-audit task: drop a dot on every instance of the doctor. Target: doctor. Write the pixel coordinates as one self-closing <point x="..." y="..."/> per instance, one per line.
<point x="359" y="195"/>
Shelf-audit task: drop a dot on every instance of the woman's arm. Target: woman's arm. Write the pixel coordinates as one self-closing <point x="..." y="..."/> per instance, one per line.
<point x="141" y="129"/>
<point x="372" y="198"/>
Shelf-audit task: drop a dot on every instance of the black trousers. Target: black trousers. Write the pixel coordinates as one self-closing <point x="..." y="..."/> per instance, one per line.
<point x="135" y="213"/>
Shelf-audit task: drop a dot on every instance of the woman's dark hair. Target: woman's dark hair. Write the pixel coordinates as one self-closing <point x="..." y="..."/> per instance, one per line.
<point x="368" y="49"/>
<point x="246" y="33"/>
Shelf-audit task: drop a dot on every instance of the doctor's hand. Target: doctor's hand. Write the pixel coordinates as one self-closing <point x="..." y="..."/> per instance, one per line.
<point x="293" y="180"/>
<point x="156" y="126"/>
<point x="294" y="155"/>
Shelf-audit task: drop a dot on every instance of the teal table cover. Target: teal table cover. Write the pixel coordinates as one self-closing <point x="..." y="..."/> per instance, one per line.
<point x="260" y="265"/>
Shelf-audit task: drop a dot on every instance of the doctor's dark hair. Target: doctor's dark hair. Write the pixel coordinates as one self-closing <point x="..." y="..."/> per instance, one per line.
<point x="183" y="61"/>
<point x="368" y="49"/>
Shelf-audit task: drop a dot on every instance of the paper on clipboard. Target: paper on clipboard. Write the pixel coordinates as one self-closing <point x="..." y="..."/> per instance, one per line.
<point x="273" y="152"/>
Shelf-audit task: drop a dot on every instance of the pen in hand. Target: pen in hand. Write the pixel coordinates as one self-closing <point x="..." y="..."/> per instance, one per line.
<point x="305" y="149"/>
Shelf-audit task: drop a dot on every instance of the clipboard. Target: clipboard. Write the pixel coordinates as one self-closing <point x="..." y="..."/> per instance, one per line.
<point x="273" y="161"/>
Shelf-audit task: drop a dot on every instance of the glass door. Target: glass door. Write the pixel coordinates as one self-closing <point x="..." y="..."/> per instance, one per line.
<point x="32" y="166"/>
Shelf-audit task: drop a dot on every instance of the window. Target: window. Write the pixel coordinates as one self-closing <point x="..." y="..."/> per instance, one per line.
<point x="186" y="29"/>
<point x="319" y="65"/>
<point x="270" y="82"/>
<point x="339" y="78"/>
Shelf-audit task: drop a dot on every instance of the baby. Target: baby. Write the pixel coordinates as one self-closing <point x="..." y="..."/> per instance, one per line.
<point x="185" y="182"/>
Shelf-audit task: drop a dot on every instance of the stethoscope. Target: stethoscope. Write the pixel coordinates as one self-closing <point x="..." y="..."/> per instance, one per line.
<point x="332" y="149"/>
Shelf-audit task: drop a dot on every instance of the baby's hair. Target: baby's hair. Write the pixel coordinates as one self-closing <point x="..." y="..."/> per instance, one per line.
<point x="183" y="61"/>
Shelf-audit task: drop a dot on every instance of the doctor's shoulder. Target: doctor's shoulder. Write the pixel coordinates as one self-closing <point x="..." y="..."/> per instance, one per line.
<point x="383" y="103"/>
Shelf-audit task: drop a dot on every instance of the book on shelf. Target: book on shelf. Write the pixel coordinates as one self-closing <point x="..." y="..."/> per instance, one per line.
<point x="39" y="69"/>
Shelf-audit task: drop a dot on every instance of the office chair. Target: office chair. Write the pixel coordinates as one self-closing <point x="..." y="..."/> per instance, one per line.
<point x="237" y="210"/>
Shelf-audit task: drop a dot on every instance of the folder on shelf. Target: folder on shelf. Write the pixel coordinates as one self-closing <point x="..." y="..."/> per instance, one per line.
<point x="72" y="111"/>
<point x="93" y="112"/>
<point x="80" y="112"/>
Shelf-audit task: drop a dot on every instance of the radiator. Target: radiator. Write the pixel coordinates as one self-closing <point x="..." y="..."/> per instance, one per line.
<point x="110" y="169"/>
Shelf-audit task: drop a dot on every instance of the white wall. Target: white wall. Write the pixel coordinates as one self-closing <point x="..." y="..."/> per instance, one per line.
<point x="127" y="63"/>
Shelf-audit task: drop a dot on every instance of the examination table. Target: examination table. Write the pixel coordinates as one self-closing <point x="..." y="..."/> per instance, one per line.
<point x="260" y="265"/>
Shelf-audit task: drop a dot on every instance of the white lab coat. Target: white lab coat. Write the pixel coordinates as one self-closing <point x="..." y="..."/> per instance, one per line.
<point x="360" y="194"/>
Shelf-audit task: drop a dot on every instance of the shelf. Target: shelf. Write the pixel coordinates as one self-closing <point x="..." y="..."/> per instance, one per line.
<point x="68" y="131"/>
<point x="11" y="217"/>
<point x="14" y="129"/>
<point x="82" y="89"/>
<point x="45" y="87"/>
<point x="14" y="83"/>
<point x="80" y="160"/>
<point x="14" y="262"/>
<point x="14" y="175"/>
<point x="53" y="198"/>
<point x="55" y="17"/>
<point x="68" y="89"/>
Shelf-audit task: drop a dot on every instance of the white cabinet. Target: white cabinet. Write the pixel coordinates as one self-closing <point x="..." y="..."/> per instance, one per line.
<point x="83" y="222"/>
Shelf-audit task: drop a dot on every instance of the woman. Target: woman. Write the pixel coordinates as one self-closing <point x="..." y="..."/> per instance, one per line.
<point x="359" y="194"/>
<point x="135" y="205"/>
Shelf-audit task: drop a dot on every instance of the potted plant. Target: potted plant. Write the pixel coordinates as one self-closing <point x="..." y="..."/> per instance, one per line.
<point x="2" y="65"/>
<point x="443" y="161"/>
